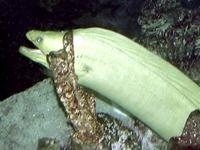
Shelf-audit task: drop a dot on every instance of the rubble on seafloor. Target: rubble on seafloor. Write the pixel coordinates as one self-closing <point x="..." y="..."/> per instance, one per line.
<point x="119" y="137"/>
<point x="173" y="32"/>
<point x="116" y="136"/>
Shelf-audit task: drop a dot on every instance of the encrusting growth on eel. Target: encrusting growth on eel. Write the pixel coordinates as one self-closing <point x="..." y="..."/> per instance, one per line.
<point x="79" y="104"/>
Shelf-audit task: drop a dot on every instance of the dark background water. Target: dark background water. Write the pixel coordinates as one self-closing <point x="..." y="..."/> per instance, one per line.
<point x="18" y="16"/>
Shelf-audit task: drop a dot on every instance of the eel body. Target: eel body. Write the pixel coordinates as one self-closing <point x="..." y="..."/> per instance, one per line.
<point x="128" y="74"/>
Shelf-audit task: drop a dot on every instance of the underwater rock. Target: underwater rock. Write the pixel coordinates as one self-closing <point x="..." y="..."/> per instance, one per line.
<point x="48" y="144"/>
<point x="171" y="31"/>
<point x="33" y="119"/>
<point x="32" y="115"/>
<point x="117" y="136"/>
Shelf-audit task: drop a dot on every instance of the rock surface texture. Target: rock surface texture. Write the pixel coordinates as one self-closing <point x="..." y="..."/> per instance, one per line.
<point x="32" y="115"/>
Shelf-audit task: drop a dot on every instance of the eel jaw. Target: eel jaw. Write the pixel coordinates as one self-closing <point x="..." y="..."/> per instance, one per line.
<point x="35" y="55"/>
<point x="45" y="42"/>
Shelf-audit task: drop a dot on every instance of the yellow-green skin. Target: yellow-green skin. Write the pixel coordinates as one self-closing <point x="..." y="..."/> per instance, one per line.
<point x="127" y="74"/>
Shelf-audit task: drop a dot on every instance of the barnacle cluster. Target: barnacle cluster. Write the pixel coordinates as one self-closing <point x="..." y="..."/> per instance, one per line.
<point x="173" y="32"/>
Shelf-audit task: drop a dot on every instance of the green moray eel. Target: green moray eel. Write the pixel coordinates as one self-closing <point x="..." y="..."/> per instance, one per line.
<point x="126" y="73"/>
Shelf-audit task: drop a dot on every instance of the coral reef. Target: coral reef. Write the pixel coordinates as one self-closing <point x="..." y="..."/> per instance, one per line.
<point x="173" y="32"/>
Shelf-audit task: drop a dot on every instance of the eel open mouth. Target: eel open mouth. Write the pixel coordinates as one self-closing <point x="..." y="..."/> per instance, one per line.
<point x="39" y="53"/>
<point x="34" y="54"/>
